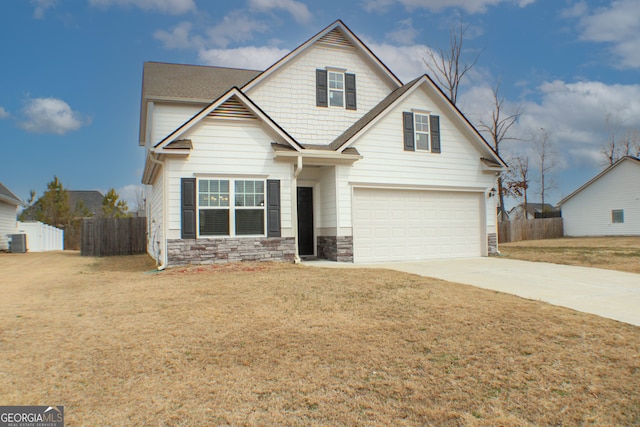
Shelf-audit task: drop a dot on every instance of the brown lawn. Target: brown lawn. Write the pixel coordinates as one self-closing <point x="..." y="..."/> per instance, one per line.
<point x="613" y="253"/>
<point x="280" y="344"/>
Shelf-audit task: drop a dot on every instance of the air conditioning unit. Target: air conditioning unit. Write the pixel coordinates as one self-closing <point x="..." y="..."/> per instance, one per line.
<point x="18" y="243"/>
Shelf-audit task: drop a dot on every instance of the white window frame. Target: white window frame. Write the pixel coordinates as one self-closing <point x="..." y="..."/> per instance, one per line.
<point x="417" y="132"/>
<point x="617" y="212"/>
<point x="231" y="208"/>
<point x="343" y="90"/>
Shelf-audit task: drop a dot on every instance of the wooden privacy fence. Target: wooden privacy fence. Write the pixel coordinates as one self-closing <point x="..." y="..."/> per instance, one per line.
<point x="113" y="236"/>
<point x="529" y="229"/>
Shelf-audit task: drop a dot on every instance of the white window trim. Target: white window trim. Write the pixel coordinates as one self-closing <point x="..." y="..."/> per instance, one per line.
<point x="232" y="205"/>
<point x="417" y="113"/>
<point x="621" y="211"/>
<point x="342" y="72"/>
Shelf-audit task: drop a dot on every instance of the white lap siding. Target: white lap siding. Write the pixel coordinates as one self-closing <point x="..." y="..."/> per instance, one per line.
<point x="7" y="223"/>
<point x="234" y="148"/>
<point x="385" y="163"/>
<point x="294" y="108"/>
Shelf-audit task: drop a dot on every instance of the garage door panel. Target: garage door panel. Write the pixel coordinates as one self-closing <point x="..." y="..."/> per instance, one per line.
<point x="394" y="225"/>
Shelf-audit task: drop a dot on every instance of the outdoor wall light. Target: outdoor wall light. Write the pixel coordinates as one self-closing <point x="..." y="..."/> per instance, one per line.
<point x="492" y="192"/>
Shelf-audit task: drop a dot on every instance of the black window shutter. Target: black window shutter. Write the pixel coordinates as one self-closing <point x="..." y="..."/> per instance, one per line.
<point x="407" y="124"/>
<point x="273" y="208"/>
<point x="321" y="88"/>
<point x="188" y="208"/>
<point x="434" y="125"/>
<point x="350" y="89"/>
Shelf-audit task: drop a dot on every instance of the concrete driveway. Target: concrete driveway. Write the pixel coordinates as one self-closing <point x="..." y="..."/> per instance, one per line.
<point x="607" y="293"/>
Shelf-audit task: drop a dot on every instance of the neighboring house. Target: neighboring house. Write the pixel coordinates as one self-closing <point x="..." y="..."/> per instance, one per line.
<point x="607" y="205"/>
<point x="9" y="203"/>
<point x="326" y="153"/>
<point x="533" y="211"/>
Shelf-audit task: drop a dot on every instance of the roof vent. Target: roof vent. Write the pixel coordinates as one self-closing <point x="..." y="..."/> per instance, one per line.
<point x="335" y="37"/>
<point x="232" y="108"/>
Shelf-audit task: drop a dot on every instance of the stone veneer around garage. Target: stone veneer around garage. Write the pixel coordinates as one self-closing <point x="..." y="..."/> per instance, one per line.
<point x="217" y="251"/>
<point x="334" y="248"/>
<point x="492" y="243"/>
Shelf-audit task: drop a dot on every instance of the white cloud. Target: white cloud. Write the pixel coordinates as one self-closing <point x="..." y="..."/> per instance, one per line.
<point x="41" y="7"/>
<point x="51" y="115"/>
<point x="178" y="38"/>
<point x="574" y="114"/>
<point x="250" y="57"/>
<point x="617" y="25"/>
<point x="470" y="6"/>
<point x="133" y="194"/>
<point x="298" y="10"/>
<point x="4" y="114"/>
<point x="235" y="27"/>
<point x="172" y="7"/>
<point x="405" y="34"/>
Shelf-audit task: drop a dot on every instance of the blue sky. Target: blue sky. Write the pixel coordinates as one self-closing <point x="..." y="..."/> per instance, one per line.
<point x="71" y="72"/>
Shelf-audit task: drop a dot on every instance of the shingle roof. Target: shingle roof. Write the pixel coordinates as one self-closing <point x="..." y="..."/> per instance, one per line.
<point x="92" y="200"/>
<point x="8" y="196"/>
<point x="371" y="114"/>
<point x="187" y="82"/>
<point x="194" y="82"/>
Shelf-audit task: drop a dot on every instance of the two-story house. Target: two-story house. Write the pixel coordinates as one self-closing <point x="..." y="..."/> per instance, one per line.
<point x="325" y="154"/>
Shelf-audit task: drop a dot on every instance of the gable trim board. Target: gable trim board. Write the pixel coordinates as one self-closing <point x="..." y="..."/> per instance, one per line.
<point x="238" y="137"/>
<point x="338" y="25"/>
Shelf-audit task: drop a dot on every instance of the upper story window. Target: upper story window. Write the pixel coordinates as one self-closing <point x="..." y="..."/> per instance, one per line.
<point x="335" y="88"/>
<point x="421" y="131"/>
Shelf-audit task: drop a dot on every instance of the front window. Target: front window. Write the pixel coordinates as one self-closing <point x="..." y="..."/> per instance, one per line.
<point x="231" y="207"/>
<point x="336" y="89"/>
<point x="617" y="216"/>
<point x="422" y="131"/>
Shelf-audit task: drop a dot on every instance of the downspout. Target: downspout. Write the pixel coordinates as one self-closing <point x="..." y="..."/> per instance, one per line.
<point x="294" y="198"/>
<point x="162" y="261"/>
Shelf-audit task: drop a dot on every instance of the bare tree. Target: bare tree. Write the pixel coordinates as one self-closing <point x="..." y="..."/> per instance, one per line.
<point x="499" y="128"/>
<point x="546" y="161"/>
<point x="617" y="147"/>
<point x="518" y="179"/>
<point x="446" y="65"/>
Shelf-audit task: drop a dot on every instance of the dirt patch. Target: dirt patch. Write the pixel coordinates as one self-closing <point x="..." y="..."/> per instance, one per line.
<point x="279" y="344"/>
<point x="612" y="253"/>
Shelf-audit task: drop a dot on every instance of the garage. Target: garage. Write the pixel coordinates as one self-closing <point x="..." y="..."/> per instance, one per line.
<point x="401" y="225"/>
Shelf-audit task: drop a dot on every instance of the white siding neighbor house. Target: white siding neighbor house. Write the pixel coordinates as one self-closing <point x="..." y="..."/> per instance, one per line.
<point x="9" y="203"/>
<point x="607" y="205"/>
<point x="325" y="154"/>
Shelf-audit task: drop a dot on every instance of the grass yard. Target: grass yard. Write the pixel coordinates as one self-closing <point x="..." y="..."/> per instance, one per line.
<point x="613" y="253"/>
<point x="281" y="344"/>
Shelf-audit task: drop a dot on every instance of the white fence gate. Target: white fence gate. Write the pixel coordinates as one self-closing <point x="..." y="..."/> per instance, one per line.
<point x="42" y="237"/>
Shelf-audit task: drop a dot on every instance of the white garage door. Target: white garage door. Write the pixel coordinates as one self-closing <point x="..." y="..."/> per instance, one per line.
<point x="399" y="225"/>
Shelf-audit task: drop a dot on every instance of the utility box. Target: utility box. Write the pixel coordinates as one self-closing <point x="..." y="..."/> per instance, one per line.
<point x="18" y="243"/>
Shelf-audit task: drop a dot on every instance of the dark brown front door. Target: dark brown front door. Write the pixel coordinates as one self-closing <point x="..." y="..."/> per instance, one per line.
<point x="305" y="221"/>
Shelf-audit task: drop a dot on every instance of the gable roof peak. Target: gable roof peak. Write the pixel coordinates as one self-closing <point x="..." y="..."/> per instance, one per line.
<point x="348" y="37"/>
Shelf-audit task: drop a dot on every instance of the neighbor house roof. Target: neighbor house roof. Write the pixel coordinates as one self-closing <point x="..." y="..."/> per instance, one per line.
<point x="597" y="177"/>
<point x="92" y="200"/>
<point x="7" y="196"/>
<point x="537" y="207"/>
<point x="187" y="83"/>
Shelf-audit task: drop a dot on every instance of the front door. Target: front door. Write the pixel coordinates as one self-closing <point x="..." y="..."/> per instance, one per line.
<point x="305" y="221"/>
